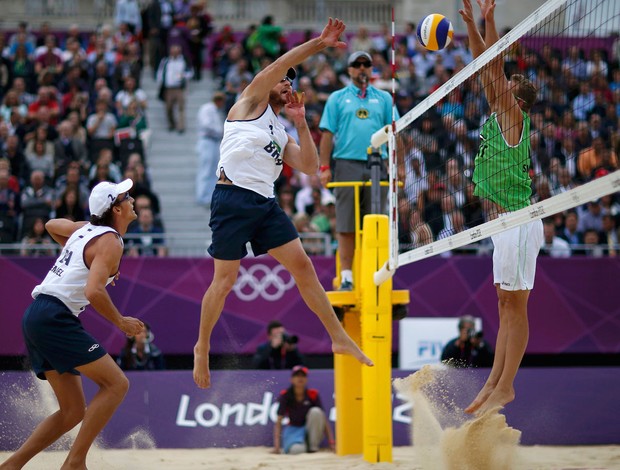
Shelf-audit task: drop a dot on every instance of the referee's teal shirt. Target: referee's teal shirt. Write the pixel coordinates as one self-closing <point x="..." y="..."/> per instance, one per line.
<point x="353" y="120"/>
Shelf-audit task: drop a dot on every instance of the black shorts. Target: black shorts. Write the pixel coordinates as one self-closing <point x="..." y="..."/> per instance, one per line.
<point x="56" y="339"/>
<point x="239" y="216"/>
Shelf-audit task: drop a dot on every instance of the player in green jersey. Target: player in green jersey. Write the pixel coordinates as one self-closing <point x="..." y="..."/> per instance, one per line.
<point x="501" y="176"/>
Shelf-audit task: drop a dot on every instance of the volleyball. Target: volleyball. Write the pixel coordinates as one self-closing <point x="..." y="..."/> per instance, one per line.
<point x="435" y="32"/>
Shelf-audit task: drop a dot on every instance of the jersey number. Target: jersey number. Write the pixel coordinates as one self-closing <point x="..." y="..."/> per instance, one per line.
<point x="66" y="257"/>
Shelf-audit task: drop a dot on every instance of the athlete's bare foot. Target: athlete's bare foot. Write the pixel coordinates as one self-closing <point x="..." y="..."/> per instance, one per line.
<point x="498" y="399"/>
<point x="202" y="376"/>
<point x="348" y="346"/>
<point x="73" y="466"/>
<point x="482" y="396"/>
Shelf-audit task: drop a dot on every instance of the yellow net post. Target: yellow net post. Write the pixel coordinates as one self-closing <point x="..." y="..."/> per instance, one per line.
<point x="363" y="395"/>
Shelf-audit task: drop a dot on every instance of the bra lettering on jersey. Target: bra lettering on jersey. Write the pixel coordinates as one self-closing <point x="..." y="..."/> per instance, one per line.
<point x="273" y="149"/>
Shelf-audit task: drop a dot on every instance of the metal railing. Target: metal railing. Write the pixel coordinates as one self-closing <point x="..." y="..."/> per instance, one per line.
<point x="185" y="245"/>
<point x="315" y="243"/>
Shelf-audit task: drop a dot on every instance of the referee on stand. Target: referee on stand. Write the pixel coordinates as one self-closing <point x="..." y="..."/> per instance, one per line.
<point x="351" y="116"/>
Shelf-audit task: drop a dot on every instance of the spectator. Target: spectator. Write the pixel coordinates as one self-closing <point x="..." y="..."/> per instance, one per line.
<point x="591" y="218"/>
<point x="469" y="349"/>
<point x="308" y="424"/>
<point x="594" y="157"/>
<point x="172" y="75"/>
<point x="147" y="239"/>
<point x="609" y="235"/>
<point x="159" y="14"/>
<point x="553" y="245"/>
<point x="70" y="206"/>
<point x="17" y="160"/>
<point x="101" y="124"/>
<point x="140" y="353"/>
<point x="199" y="26"/>
<point x="33" y="244"/>
<point x="591" y="244"/>
<point x="10" y="104"/>
<point x="37" y="201"/>
<point x="49" y="61"/>
<point x="211" y="117"/>
<point x="128" y="94"/>
<point x="39" y="159"/>
<point x="9" y="209"/>
<point x="268" y="36"/>
<point x="128" y="12"/>
<point x="279" y="352"/>
<point x="131" y="123"/>
<point x="67" y="149"/>
<point x="570" y="233"/>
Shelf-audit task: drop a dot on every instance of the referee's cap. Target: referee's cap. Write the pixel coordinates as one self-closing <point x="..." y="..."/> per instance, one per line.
<point x="359" y="55"/>
<point x="104" y="195"/>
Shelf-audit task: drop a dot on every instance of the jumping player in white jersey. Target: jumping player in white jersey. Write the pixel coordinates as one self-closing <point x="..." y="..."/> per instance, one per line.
<point x="58" y="346"/>
<point x="243" y="206"/>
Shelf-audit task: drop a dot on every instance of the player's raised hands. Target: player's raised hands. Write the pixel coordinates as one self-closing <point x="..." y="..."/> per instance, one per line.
<point x="295" y="109"/>
<point x="487" y="8"/>
<point x="467" y="12"/>
<point x="332" y="32"/>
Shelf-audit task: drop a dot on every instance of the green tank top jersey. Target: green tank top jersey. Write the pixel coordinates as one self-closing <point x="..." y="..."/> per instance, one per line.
<point x="501" y="171"/>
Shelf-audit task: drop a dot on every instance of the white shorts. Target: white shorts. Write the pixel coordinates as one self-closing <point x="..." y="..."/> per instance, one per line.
<point x="514" y="256"/>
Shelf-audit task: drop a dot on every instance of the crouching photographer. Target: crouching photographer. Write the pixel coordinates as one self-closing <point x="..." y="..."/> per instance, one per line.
<point x="469" y="349"/>
<point x="279" y="351"/>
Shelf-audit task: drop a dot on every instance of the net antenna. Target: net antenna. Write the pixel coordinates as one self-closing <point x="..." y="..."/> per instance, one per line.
<point x="556" y="13"/>
<point x="389" y="268"/>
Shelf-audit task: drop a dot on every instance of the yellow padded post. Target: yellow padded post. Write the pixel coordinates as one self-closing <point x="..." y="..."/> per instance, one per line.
<point x="376" y="323"/>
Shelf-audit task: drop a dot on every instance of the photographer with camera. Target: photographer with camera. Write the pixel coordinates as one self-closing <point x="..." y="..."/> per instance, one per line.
<point x="140" y="353"/>
<point x="279" y="352"/>
<point x="469" y="349"/>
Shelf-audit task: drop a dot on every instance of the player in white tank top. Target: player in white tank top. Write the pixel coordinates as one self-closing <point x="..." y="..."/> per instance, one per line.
<point x="253" y="149"/>
<point x="252" y="152"/>
<point x="67" y="278"/>
<point x="59" y="347"/>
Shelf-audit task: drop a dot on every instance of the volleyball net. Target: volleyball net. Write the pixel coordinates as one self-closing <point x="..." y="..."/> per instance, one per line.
<point x="564" y="153"/>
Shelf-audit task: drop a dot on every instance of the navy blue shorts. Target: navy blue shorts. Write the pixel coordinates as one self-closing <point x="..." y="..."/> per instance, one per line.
<point x="239" y="216"/>
<point x="56" y="339"/>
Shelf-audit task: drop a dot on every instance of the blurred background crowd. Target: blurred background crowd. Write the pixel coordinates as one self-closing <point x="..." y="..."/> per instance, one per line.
<point x="73" y="113"/>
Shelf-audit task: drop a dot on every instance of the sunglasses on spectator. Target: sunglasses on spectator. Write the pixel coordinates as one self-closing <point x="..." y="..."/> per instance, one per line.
<point x="357" y="65"/>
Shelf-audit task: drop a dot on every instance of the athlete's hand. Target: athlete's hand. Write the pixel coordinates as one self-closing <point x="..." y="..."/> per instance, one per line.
<point x="467" y="12"/>
<point x="295" y="109"/>
<point x="115" y="278"/>
<point x="332" y="32"/>
<point x="487" y="8"/>
<point x="131" y="326"/>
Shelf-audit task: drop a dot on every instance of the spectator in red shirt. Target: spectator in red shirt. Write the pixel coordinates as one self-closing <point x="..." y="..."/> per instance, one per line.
<point x="45" y="99"/>
<point x="307" y="422"/>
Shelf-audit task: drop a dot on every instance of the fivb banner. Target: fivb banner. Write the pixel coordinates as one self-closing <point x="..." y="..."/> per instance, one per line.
<point x="167" y="410"/>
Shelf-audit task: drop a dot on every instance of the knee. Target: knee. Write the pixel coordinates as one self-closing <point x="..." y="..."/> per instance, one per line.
<point x="300" y="266"/>
<point x="315" y="413"/>
<point x="223" y="284"/>
<point x="74" y="415"/>
<point x="119" y="387"/>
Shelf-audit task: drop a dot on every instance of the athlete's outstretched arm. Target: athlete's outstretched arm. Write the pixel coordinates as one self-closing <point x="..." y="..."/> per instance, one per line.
<point x="506" y="106"/>
<point x="257" y="92"/>
<point x="478" y="45"/>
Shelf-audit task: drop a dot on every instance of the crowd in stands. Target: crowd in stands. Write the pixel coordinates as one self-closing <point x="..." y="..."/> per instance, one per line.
<point x="72" y="114"/>
<point x="574" y="130"/>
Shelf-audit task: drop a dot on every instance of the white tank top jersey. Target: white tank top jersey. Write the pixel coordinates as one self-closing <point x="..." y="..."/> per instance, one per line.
<point x="67" y="279"/>
<point x="251" y="153"/>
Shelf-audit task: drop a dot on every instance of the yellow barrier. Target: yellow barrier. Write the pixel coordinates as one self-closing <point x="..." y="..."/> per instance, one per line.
<point x="363" y="394"/>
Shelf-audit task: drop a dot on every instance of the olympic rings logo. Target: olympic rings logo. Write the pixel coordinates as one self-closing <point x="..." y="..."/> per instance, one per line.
<point x="260" y="280"/>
